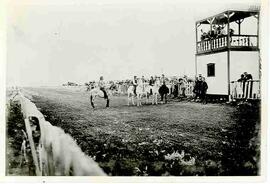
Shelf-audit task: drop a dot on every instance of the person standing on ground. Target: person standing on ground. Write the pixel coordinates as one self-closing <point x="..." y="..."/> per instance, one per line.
<point x="204" y="88"/>
<point x="175" y="89"/>
<point x="163" y="90"/>
<point x="198" y="87"/>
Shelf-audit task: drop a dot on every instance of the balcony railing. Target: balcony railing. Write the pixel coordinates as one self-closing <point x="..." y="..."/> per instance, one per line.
<point x="220" y="43"/>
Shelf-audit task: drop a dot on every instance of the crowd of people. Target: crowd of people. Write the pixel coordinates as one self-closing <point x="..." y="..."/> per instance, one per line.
<point x="176" y="85"/>
<point x="215" y="32"/>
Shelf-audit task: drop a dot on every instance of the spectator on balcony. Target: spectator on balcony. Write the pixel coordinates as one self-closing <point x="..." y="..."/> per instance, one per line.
<point x="215" y="31"/>
<point x="242" y="78"/>
<point x="204" y="35"/>
<point x="231" y="32"/>
<point x="211" y="34"/>
<point x="220" y="31"/>
<point x="247" y="76"/>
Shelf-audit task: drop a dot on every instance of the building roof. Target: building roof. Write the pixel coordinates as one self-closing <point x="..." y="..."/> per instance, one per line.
<point x="234" y="15"/>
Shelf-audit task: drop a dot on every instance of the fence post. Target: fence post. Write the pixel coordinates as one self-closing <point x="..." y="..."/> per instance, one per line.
<point x="32" y="146"/>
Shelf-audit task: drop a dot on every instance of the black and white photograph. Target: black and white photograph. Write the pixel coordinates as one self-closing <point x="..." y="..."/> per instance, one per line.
<point x="144" y="88"/>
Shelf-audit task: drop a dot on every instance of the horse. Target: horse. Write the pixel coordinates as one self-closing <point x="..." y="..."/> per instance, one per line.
<point x="155" y="91"/>
<point x="143" y="90"/>
<point x="140" y="91"/>
<point x="131" y="94"/>
<point x="97" y="92"/>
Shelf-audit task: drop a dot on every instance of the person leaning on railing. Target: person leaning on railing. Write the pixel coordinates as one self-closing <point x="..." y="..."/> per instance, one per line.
<point x="248" y="77"/>
<point x="244" y="80"/>
<point x="204" y="35"/>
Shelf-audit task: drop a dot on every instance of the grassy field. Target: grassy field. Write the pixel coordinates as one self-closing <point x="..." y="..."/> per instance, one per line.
<point x="130" y="140"/>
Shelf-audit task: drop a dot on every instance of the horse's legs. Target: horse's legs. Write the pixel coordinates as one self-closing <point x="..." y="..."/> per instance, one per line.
<point x="139" y="103"/>
<point x="91" y="100"/>
<point x="156" y="96"/>
<point x="132" y="99"/>
<point x="165" y="97"/>
<point x="128" y="99"/>
<point x="108" y="102"/>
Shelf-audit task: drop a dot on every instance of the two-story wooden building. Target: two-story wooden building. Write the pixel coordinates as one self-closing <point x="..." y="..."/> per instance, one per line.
<point x="227" y="45"/>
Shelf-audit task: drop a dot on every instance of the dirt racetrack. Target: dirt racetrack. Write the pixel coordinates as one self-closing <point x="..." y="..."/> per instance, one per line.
<point x="130" y="140"/>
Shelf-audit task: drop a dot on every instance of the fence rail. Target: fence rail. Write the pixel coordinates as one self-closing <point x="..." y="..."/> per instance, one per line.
<point x="245" y="90"/>
<point x="56" y="153"/>
<point x="185" y="89"/>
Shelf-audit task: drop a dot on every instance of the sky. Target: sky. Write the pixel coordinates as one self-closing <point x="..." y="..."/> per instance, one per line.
<point x="53" y="42"/>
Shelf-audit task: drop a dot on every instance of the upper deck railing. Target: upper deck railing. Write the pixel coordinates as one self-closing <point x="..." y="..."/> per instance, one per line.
<point x="236" y="42"/>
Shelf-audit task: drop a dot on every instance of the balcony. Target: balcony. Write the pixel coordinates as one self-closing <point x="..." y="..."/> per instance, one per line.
<point x="237" y="42"/>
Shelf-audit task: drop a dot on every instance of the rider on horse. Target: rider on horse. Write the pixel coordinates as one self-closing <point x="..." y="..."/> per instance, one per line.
<point x="101" y="85"/>
<point x="151" y="83"/>
<point x="164" y="90"/>
<point x="135" y="84"/>
<point x="143" y="83"/>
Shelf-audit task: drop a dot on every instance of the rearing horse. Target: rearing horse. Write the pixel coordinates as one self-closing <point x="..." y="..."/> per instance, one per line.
<point x="97" y="92"/>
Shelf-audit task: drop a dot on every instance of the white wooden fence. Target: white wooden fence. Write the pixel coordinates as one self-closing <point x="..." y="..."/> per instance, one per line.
<point x="245" y="90"/>
<point x="186" y="88"/>
<point x="56" y="153"/>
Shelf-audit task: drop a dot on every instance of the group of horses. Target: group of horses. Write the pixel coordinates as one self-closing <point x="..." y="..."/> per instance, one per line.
<point x="142" y="90"/>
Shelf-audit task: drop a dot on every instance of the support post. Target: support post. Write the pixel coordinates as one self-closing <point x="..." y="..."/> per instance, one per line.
<point x="239" y="25"/>
<point x="196" y="30"/>
<point x="228" y="52"/>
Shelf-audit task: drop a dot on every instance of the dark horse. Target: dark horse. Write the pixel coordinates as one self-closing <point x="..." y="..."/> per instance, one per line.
<point x="163" y="91"/>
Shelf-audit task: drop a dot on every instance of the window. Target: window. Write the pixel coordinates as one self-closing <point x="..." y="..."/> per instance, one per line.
<point x="211" y="70"/>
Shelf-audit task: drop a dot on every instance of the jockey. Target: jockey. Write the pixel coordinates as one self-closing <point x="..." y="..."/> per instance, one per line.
<point x="163" y="80"/>
<point x="152" y="81"/>
<point x="101" y="85"/>
<point x="135" y="84"/>
<point x="143" y="82"/>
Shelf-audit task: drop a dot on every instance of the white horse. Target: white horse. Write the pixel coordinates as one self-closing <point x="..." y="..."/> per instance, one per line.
<point x="155" y="92"/>
<point x="97" y="92"/>
<point x="143" y="90"/>
<point x="131" y="94"/>
<point x="140" y="93"/>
